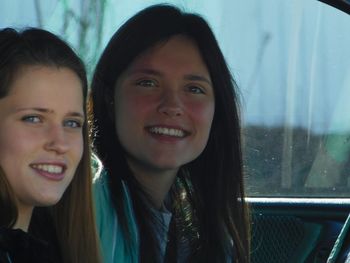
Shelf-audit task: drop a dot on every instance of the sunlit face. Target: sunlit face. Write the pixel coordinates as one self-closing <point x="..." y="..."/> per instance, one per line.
<point x="41" y="140"/>
<point x="164" y="106"/>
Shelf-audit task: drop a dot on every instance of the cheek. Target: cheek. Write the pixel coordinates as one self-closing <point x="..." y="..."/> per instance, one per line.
<point x="202" y="113"/>
<point x="132" y="109"/>
<point x="77" y="149"/>
<point x="15" y="155"/>
<point x="15" y="144"/>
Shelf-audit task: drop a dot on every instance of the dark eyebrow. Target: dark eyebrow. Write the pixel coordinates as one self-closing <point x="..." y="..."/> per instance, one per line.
<point x="145" y="71"/>
<point x="44" y="110"/>
<point x="193" y="77"/>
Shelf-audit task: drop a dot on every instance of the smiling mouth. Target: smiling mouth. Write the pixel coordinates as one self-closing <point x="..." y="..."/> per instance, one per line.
<point x="49" y="168"/>
<point x="168" y="131"/>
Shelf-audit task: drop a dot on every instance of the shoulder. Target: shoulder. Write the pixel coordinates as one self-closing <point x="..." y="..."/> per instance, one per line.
<point x="113" y="241"/>
<point x="4" y="246"/>
<point x="101" y="192"/>
<point x="106" y="214"/>
<point x="96" y="167"/>
<point x="100" y="185"/>
<point x="19" y="246"/>
<point x="4" y="256"/>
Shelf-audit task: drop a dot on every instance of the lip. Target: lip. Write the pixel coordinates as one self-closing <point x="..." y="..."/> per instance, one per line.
<point x="51" y="170"/>
<point x="175" y="132"/>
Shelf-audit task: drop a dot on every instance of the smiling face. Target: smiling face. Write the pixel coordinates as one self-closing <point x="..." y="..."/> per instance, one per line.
<point x="41" y="140"/>
<point x="164" y="107"/>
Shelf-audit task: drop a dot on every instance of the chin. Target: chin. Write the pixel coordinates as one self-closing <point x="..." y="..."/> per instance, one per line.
<point x="49" y="200"/>
<point x="172" y="165"/>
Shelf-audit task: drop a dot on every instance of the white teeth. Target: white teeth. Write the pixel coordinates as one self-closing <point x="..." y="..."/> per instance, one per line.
<point x="167" y="131"/>
<point x="55" y="169"/>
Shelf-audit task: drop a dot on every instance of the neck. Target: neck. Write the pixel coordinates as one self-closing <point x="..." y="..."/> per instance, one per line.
<point x="155" y="183"/>
<point x="23" y="219"/>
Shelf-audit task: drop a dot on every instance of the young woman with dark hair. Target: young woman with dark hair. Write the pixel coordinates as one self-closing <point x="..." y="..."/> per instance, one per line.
<point x="45" y="176"/>
<point x="167" y="131"/>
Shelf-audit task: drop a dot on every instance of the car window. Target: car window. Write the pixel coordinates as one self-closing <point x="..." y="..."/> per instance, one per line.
<point x="297" y="126"/>
<point x="291" y="61"/>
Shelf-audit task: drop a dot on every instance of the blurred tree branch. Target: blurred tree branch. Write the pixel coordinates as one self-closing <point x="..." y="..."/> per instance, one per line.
<point x="38" y="13"/>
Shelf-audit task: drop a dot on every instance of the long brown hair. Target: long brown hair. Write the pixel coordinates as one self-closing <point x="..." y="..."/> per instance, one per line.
<point x="72" y="218"/>
<point x="216" y="176"/>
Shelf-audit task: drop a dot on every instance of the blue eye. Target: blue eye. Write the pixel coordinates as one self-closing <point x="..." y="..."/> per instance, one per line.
<point x="31" y="119"/>
<point x="73" y="124"/>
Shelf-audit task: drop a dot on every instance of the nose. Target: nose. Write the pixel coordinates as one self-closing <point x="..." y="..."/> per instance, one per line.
<point x="56" y="140"/>
<point x="171" y="104"/>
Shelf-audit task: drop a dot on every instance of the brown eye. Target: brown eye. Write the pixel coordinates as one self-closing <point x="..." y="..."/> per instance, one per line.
<point x="196" y="90"/>
<point x="147" y="83"/>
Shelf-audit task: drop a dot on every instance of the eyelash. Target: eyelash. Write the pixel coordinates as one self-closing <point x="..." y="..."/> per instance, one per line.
<point x="147" y="83"/>
<point x="30" y="118"/>
<point x="199" y="90"/>
<point x="77" y="124"/>
<point x="153" y="83"/>
<point x="74" y="124"/>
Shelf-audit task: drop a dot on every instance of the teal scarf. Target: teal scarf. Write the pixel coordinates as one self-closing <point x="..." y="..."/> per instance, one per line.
<point x="113" y="244"/>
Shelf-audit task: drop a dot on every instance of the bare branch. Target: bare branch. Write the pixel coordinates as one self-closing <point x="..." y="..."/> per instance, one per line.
<point x="38" y="13"/>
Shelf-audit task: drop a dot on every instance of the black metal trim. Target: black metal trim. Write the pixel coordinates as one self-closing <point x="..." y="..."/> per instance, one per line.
<point x="343" y="5"/>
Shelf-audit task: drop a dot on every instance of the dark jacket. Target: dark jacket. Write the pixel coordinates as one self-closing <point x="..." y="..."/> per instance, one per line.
<point x="17" y="246"/>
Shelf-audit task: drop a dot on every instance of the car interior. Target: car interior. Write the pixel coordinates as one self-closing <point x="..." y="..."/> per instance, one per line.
<point x="291" y="62"/>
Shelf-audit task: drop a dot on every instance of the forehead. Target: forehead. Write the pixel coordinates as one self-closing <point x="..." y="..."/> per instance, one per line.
<point x="30" y="77"/>
<point x="45" y="86"/>
<point x="178" y="50"/>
